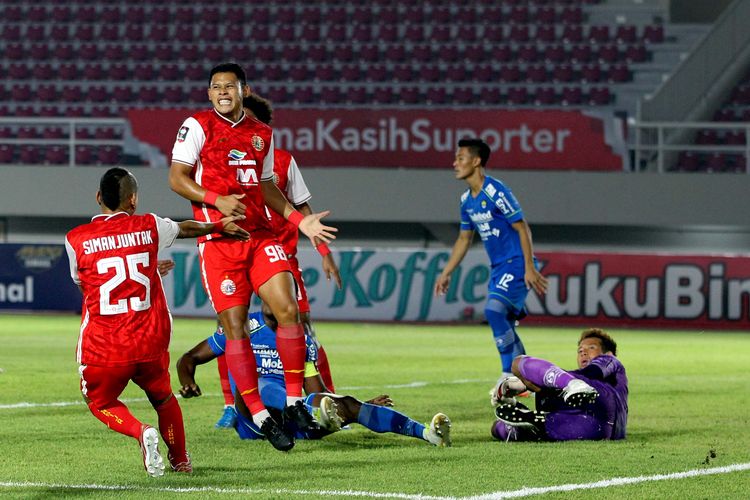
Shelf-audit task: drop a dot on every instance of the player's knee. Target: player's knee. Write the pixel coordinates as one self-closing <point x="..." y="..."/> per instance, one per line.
<point x="516" y="368"/>
<point x="159" y="400"/>
<point x="286" y="313"/>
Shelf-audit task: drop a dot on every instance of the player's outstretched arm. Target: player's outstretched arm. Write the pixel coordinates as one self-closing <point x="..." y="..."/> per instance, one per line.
<point x="227" y="225"/>
<point x="186" y="366"/>
<point x="460" y="247"/>
<point x="182" y="184"/>
<point x="330" y="268"/>
<point x="309" y="225"/>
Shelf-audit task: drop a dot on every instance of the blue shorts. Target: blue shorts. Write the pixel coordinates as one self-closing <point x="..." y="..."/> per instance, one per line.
<point x="507" y="285"/>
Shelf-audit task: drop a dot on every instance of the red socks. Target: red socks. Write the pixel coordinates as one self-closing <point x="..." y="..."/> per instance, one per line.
<point x="226" y="387"/>
<point x="172" y="429"/>
<point x="290" y="342"/>
<point x="118" y="418"/>
<point x="241" y="362"/>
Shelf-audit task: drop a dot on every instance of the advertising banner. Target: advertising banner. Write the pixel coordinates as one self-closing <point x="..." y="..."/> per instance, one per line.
<point x="585" y="289"/>
<point x="607" y="289"/>
<point x="425" y="138"/>
<point x="36" y="277"/>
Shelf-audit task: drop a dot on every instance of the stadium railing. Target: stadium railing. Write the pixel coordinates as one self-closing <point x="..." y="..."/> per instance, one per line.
<point x="654" y="141"/>
<point x="68" y="140"/>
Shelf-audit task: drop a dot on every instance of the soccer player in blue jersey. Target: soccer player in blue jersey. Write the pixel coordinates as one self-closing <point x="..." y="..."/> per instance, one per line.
<point x="588" y="403"/>
<point x="490" y="208"/>
<point x="333" y="411"/>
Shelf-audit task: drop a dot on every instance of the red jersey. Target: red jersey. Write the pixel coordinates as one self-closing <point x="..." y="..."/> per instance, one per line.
<point x="227" y="158"/>
<point x="287" y="177"/>
<point x="125" y="316"/>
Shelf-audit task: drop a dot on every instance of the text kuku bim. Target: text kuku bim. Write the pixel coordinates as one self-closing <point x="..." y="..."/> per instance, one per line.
<point x="421" y="135"/>
<point x="682" y="292"/>
<point x="113" y="242"/>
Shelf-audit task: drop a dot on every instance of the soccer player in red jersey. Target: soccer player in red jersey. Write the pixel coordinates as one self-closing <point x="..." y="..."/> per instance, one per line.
<point x="222" y="161"/>
<point x="126" y="325"/>
<point x="289" y="180"/>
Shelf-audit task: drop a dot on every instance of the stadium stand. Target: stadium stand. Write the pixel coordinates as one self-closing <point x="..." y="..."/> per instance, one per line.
<point x="98" y="59"/>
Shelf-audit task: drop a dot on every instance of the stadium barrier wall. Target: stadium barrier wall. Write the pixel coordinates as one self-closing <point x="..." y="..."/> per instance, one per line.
<point x="622" y="289"/>
<point x="426" y="138"/>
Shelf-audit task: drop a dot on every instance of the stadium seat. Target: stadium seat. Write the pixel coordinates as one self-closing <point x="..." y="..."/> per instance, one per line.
<point x="636" y="53"/>
<point x="653" y="33"/>
<point x="383" y="95"/>
<point x="490" y="96"/>
<point x="493" y="33"/>
<point x="436" y="95"/>
<point x="591" y="73"/>
<point x="625" y="33"/>
<point x="599" y="96"/>
<point x="536" y="73"/>
<point x="618" y="73"/>
<point x="563" y="73"/>
<point x="571" y="96"/>
<point x="464" y="95"/>
<point x="7" y="153"/>
<point x="519" y="33"/>
<point x="518" y="95"/>
<point x="331" y="95"/>
<point x="56" y="155"/>
<point x="509" y="73"/>
<point x="545" y="96"/>
<point x="409" y="95"/>
<point x="545" y="33"/>
<point x="357" y="95"/>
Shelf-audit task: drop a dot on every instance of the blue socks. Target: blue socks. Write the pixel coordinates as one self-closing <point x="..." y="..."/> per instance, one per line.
<point x="384" y="419"/>
<point x="508" y="343"/>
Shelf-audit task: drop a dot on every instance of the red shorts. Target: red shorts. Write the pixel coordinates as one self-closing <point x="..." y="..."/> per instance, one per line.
<point x="232" y="269"/>
<point x="104" y="384"/>
<point x="302" y="302"/>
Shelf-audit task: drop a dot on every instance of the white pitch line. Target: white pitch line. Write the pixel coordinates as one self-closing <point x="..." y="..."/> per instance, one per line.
<point x="617" y="481"/>
<point x="498" y="495"/>
<point x="411" y="385"/>
<point x="216" y="489"/>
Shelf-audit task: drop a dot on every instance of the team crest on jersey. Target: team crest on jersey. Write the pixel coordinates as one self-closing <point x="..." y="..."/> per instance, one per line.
<point x="228" y="287"/>
<point x="257" y="143"/>
<point x="276" y="178"/>
<point x="182" y="134"/>
<point x="484" y="204"/>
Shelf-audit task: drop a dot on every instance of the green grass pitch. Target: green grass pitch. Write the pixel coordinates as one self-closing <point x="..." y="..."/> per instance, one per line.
<point x="689" y="411"/>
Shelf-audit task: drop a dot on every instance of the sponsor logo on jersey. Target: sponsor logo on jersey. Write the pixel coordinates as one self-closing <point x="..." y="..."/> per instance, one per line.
<point x="247" y="176"/>
<point x="182" y="134"/>
<point x="491" y="190"/>
<point x="481" y="217"/>
<point x="236" y="157"/>
<point x="236" y="154"/>
<point x="228" y="287"/>
<point x="257" y="143"/>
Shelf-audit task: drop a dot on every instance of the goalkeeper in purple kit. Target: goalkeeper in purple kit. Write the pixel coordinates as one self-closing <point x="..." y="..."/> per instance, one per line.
<point x="590" y="403"/>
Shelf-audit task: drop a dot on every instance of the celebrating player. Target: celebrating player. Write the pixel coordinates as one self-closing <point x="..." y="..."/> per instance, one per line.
<point x="222" y="161"/>
<point x="588" y="403"/>
<point x="126" y="325"/>
<point x="334" y="410"/>
<point x="490" y="207"/>
<point x="289" y="180"/>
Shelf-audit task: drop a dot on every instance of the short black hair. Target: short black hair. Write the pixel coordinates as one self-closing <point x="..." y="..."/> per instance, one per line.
<point x="608" y="343"/>
<point x="260" y="107"/>
<point x="477" y="147"/>
<point x="116" y="184"/>
<point x="228" y="67"/>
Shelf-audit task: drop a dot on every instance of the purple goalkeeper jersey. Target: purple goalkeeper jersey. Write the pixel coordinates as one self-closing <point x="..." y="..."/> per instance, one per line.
<point x="607" y="375"/>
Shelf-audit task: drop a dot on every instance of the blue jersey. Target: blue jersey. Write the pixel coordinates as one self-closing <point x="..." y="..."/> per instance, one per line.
<point x="491" y="213"/>
<point x="263" y="340"/>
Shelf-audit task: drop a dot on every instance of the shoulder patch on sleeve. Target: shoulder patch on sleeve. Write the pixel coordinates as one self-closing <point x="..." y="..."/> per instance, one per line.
<point x="491" y="191"/>
<point x="464" y="196"/>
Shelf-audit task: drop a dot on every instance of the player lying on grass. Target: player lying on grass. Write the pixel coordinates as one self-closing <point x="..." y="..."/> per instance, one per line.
<point x="333" y="411"/>
<point x="588" y="403"/>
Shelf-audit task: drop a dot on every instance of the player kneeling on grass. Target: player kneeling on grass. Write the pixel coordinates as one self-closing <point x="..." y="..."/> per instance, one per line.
<point x="126" y="325"/>
<point x="588" y="403"/>
<point x="332" y="411"/>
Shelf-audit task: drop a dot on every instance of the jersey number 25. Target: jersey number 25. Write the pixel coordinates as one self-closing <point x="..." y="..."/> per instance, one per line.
<point x="107" y="308"/>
